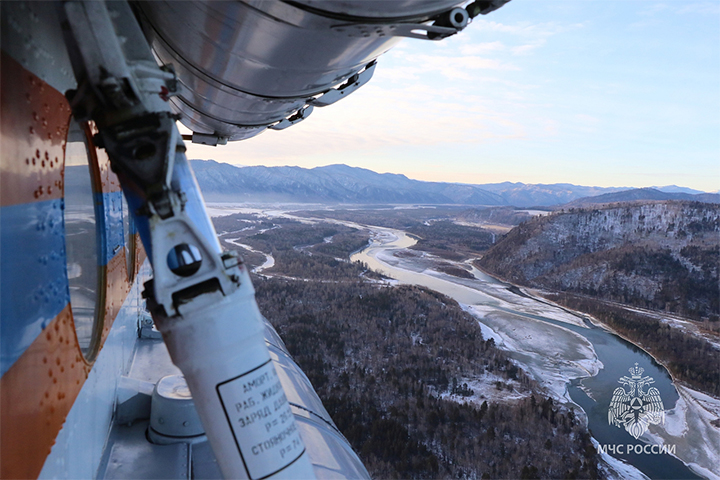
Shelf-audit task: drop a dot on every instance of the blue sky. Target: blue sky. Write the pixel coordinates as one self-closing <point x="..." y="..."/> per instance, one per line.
<point x="606" y="93"/>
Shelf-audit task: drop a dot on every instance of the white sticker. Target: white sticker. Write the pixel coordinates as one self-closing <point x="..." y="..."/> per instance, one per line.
<point x="261" y="421"/>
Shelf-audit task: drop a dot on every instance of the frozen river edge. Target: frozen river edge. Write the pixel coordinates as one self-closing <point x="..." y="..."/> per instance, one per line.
<point x="553" y="355"/>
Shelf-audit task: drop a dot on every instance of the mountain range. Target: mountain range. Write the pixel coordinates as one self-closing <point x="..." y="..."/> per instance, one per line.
<point x="352" y="185"/>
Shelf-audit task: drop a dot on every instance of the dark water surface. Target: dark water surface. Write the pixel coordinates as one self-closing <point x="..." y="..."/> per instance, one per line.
<point x="617" y="356"/>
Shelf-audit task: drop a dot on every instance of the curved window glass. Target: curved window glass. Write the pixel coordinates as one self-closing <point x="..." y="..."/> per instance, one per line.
<point x="84" y="275"/>
<point x="129" y="233"/>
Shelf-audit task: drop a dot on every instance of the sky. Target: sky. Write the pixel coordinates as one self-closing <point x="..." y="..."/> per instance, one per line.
<point x="597" y="93"/>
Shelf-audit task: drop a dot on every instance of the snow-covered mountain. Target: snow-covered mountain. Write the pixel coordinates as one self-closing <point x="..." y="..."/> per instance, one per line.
<point x="329" y="184"/>
<point x="344" y="184"/>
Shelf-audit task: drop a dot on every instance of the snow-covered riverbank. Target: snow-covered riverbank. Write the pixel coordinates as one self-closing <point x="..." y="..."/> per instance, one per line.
<point x="689" y="427"/>
<point x="269" y="259"/>
<point x="553" y="355"/>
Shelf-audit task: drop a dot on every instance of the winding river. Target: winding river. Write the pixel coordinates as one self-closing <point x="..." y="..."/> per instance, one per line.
<point x="592" y="393"/>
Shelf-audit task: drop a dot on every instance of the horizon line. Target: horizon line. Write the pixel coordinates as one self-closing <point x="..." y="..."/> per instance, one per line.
<point x="657" y="187"/>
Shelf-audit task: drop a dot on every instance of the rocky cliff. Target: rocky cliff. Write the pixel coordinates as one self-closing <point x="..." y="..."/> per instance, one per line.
<point x="659" y="255"/>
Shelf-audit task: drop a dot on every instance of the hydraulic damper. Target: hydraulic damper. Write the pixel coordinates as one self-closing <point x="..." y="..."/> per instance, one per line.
<point x="201" y="298"/>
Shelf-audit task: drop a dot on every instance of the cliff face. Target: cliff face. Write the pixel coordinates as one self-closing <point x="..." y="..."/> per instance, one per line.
<point x="660" y="255"/>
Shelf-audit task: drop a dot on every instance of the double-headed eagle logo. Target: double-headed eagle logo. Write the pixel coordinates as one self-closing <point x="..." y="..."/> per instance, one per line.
<point x="638" y="408"/>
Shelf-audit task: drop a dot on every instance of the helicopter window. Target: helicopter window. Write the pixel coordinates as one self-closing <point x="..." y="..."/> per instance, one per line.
<point x="84" y="274"/>
<point x="129" y="232"/>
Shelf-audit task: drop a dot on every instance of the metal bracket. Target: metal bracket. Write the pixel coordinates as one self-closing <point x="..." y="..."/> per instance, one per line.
<point x="142" y="152"/>
<point x="483" y="7"/>
<point x="146" y="328"/>
<point x="206" y="139"/>
<point x="352" y="84"/>
<point x="111" y="59"/>
<point x="410" y="30"/>
<point x="122" y="88"/>
<point x="185" y="263"/>
<point x="446" y="24"/>
<point x="296" y="118"/>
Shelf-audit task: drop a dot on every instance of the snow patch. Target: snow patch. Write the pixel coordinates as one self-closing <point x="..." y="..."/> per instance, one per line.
<point x="615" y="468"/>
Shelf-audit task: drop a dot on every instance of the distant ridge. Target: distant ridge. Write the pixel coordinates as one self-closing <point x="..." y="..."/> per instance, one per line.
<point x="676" y="189"/>
<point x="643" y="194"/>
<point x="329" y="184"/>
<point x="527" y="195"/>
<point x="351" y="185"/>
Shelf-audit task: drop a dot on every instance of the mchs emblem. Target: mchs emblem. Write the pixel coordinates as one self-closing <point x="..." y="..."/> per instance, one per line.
<point x="637" y="407"/>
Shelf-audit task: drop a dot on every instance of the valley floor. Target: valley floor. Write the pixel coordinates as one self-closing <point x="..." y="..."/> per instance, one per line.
<point x="548" y="351"/>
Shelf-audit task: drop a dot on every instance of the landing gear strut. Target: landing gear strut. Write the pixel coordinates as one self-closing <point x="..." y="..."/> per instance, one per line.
<point x="201" y="298"/>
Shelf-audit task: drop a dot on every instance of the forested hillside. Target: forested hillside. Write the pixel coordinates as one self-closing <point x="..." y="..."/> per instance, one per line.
<point x="383" y="360"/>
<point x="659" y="255"/>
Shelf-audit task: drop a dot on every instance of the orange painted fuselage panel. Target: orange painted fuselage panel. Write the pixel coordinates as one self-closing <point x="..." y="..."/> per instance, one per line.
<point x="40" y="386"/>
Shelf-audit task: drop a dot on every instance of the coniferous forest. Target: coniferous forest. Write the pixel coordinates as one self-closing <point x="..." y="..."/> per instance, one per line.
<point x="631" y="266"/>
<point x="383" y="358"/>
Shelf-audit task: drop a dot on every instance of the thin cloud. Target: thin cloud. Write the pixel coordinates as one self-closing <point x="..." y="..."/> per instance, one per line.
<point x="482" y="48"/>
<point x="702" y="8"/>
<point x="379" y="119"/>
<point x="418" y="67"/>
<point x="528" y="47"/>
<point x="449" y="66"/>
<point x="654" y="8"/>
<point x="587" y="119"/>
<point x="501" y="48"/>
<point x="527" y="29"/>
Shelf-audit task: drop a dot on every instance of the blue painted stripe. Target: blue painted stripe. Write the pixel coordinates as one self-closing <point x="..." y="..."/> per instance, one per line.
<point x="33" y="276"/>
<point x="33" y="266"/>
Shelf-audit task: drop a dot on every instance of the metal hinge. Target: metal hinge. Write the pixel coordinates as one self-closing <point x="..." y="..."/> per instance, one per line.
<point x="447" y="24"/>
<point x="352" y="84"/>
<point x="296" y="118"/>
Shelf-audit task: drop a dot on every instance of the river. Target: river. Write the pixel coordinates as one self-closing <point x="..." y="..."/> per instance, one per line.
<point x="550" y="346"/>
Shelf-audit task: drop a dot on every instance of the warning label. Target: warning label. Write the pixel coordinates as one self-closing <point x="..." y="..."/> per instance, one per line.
<point x="261" y="420"/>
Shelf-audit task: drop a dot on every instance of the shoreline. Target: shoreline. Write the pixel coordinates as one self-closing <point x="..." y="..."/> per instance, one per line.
<point x="599" y="324"/>
<point x="548" y="371"/>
